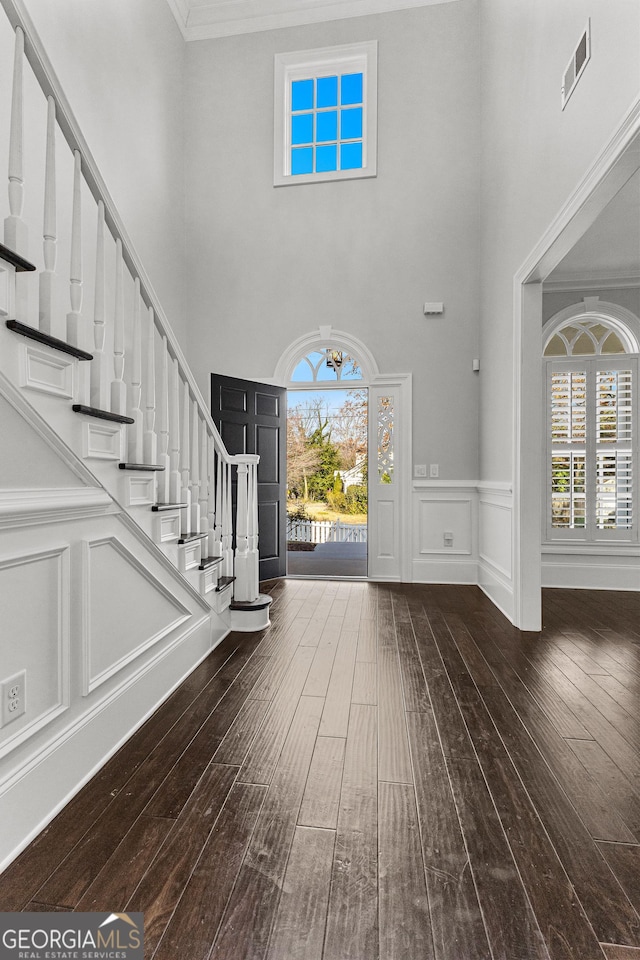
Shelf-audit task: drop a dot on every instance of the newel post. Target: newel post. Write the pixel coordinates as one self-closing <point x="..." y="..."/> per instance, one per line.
<point x="245" y="567"/>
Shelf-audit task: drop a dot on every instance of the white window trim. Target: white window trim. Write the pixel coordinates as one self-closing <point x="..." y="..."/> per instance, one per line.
<point x="355" y="58"/>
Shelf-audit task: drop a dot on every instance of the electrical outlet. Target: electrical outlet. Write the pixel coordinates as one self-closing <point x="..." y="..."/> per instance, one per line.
<point x="13" y="695"/>
<point x="419" y="469"/>
<point x="434" y="470"/>
<point x="448" y="538"/>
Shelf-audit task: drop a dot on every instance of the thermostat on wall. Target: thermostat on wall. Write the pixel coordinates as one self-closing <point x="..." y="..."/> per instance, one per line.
<point x="433" y="308"/>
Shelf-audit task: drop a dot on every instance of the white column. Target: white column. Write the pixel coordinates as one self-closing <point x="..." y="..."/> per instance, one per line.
<point x="214" y="542"/>
<point x="242" y="589"/>
<point x="227" y="530"/>
<point x="204" y="485"/>
<point x="49" y="230"/>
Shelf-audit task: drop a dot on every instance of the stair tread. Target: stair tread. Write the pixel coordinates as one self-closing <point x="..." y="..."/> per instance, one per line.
<point x="224" y="582"/>
<point x="140" y="466"/>
<point x="209" y="562"/>
<point x="100" y="414"/>
<point x="188" y="537"/>
<point x="158" y="507"/>
<point x="21" y="265"/>
<point x="259" y="604"/>
<point x="32" y="333"/>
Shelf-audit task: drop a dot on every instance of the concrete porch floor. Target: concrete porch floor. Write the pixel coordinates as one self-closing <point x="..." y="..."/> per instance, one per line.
<point x="329" y="560"/>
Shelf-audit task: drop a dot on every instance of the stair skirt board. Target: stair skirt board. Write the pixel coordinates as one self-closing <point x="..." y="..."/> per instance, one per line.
<point x="36" y="791"/>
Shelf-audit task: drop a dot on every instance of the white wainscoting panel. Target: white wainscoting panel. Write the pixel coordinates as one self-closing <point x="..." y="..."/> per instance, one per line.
<point x="34" y="637"/>
<point x="495" y="528"/>
<point x="140" y="491"/>
<point x="126" y="610"/>
<point x="444" y="508"/>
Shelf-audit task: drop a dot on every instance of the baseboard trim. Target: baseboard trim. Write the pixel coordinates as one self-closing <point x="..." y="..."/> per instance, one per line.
<point x="444" y="571"/>
<point x="591" y="576"/>
<point x="41" y="787"/>
<point x="498" y="589"/>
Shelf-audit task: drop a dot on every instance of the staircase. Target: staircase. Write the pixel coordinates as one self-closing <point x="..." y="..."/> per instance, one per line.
<point x="116" y="487"/>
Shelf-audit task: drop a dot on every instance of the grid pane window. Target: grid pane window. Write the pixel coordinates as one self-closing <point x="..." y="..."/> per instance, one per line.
<point x="591" y="448"/>
<point x="327" y="118"/>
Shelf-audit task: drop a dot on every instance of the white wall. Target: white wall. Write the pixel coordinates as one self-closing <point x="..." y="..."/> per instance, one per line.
<point x="267" y="264"/>
<point x="121" y="65"/>
<point x="534" y="156"/>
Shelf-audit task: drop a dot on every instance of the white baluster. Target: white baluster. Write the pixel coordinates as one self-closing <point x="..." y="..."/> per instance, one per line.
<point x="204" y="486"/>
<point x="164" y="458"/>
<point x="242" y="587"/>
<point x="75" y="332"/>
<point x="150" y="441"/>
<point x="195" y="469"/>
<point x="135" y="430"/>
<point x="214" y="550"/>
<point x="184" y="459"/>
<point x="174" y="434"/>
<point x="118" y="386"/>
<point x="217" y="527"/>
<point x="49" y="233"/>
<point x="227" y="523"/>
<point x="15" y="229"/>
<point x="99" y="385"/>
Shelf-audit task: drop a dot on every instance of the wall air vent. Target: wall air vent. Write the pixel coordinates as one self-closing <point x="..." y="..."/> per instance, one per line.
<point x="576" y="65"/>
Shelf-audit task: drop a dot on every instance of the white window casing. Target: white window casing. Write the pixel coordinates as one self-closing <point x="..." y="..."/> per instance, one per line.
<point x="325" y="62"/>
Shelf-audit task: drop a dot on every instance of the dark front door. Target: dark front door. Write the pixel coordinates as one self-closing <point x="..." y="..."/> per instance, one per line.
<point x="252" y="418"/>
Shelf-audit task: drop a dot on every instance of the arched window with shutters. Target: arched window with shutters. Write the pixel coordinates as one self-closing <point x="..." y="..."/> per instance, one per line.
<point x="592" y="425"/>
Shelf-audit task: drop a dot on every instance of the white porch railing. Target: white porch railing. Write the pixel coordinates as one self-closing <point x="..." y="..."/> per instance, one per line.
<point x="138" y="369"/>
<point x="325" y="531"/>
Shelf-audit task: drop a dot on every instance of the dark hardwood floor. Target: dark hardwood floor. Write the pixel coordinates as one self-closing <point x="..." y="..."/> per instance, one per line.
<point x="389" y="772"/>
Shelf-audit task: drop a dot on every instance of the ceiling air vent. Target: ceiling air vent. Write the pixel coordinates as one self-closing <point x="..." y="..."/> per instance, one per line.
<point x="576" y="65"/>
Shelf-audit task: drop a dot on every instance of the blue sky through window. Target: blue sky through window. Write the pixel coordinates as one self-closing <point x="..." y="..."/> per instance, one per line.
<point x="327" y="124"/>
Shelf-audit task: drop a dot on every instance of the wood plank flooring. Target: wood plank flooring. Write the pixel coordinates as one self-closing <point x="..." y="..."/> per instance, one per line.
<point x="389" y="772"/>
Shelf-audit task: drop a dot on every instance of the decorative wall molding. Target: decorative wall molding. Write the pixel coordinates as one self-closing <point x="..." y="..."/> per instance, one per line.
<point x="58" y="633"/>
<point x="91" y="679"/>
<point x="20" y="404"/>
<point x="101" y="441"/>
<point x="37" y="788"/>
<point x="613" y="574"/>
<point x="141" y="491"/>
<point x="49" y="372"/>
<point x="594" y="281"/>
<point x="19" y="507"/>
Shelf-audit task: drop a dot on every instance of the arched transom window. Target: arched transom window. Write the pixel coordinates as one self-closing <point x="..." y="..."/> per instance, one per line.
<point x="329" y="365"/>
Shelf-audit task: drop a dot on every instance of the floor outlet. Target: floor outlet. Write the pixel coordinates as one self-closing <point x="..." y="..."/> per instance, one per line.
<point x="13" y="695"/>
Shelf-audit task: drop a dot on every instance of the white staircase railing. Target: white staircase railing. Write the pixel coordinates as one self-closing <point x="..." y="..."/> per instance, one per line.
<point x="138" y="368"/>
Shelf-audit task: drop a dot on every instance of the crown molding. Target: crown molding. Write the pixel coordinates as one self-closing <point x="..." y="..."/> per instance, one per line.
<point x="225" y="18"/>
<point x="594" y="280"/>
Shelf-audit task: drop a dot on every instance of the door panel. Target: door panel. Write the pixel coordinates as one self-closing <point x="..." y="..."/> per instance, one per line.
<point x="252" y="418"/>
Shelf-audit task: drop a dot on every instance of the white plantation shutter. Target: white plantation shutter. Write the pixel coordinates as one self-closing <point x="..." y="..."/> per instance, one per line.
<point x="592" y="439"/>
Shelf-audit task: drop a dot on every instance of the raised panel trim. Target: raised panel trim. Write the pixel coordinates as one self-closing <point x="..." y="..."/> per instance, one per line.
<point x="448" y="551"/>
<point x="91" y="683"/>
<point x="141" y="491"/>
<point x="48" y="372"/>
<point x="102" y="441"/>
<point x="63" y="643"/>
